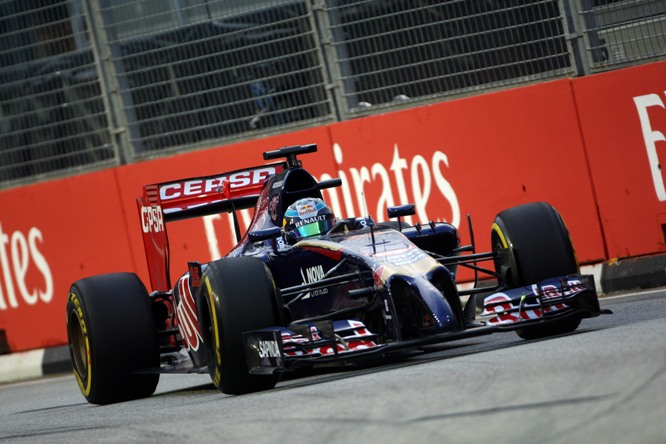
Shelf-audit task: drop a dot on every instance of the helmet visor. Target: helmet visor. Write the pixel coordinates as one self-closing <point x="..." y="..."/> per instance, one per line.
<point x="314" y="229"/>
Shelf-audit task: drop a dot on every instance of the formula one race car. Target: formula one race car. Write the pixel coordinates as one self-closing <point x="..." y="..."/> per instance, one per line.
<point x="305" y="289"/>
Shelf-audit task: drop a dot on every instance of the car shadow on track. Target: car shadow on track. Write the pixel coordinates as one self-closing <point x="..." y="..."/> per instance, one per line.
<point x="432" y="353"/>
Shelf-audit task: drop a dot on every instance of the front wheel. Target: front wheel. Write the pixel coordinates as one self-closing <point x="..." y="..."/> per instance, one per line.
<point x="112" y="337"/>
<point x="531" y="243"/>
<point x="237" y="295"/>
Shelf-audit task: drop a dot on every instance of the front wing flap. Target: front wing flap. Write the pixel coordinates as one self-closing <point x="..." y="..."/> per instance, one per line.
<point x="544" y="301"/>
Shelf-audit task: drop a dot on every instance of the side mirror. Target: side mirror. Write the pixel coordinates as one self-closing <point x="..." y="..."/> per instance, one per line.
<point x="400" y="211"/>
<point x="269" y="233"/>
<point x="260" y="235"/>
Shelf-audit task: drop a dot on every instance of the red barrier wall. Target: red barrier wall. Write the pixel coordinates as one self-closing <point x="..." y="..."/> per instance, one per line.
<point x="52" y="234"/>
<point x="623" y="122"/>
<point x="476" y="155"/>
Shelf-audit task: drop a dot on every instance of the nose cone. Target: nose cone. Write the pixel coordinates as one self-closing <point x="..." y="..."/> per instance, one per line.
<point x="442" y="314"/>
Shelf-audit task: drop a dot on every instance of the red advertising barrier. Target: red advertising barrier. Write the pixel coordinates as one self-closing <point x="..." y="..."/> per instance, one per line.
<point x="477" y="155"/>
<point x="623" y="122"/>
<point x="50" y="235"/>
<point x="590" y="146"/>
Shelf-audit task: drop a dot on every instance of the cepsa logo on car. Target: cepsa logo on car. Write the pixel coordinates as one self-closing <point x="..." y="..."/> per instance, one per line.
<point x="152" y="219"/>
<point x="196" y="187"/>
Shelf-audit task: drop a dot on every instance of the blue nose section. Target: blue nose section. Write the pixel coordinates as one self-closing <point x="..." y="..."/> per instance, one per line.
<point x="440" y="310"/>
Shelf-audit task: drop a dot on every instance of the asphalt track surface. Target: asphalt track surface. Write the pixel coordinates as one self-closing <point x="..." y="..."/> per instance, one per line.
<point x="604" y="383"/>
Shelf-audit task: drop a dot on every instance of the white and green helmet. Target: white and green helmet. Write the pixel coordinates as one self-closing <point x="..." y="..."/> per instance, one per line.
<point x="308" y="217"/>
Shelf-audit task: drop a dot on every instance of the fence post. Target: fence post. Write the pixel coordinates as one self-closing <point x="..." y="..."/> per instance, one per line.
<point x="335" y="57"/>
<point x="576" y="39"/>
<point x="317" y="13"/>
<point x="112" y="94"/>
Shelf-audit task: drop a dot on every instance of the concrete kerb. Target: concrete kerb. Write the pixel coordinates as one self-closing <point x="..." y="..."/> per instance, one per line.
<point x="610" y="277"/>
<point x="633" y="273"/>
<point x="34" y="364"/>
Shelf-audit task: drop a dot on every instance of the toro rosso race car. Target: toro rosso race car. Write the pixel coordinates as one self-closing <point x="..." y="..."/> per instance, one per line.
<point x="303" y="288"/>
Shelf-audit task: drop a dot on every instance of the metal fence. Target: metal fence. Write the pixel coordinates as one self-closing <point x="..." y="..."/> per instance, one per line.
<point x="387" y="52"/>
<point x="621" y="33"/>
<point x="91" y="83"/>
<point x="52" y="113"/>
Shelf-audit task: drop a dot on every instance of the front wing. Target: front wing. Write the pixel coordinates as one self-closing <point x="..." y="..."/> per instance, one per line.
<point x="342" y="342"/>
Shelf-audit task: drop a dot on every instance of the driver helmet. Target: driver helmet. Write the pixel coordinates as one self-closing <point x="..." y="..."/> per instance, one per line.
<point x="307" y="217"/>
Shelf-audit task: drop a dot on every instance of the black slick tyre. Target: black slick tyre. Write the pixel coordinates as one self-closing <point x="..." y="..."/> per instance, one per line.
<point x="237" y="295"/>
<point x="111" y="335"/>
<point x="531" y="243"/>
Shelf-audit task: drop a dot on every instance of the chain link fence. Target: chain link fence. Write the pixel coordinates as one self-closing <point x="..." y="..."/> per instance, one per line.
<point x="91" y="83"/>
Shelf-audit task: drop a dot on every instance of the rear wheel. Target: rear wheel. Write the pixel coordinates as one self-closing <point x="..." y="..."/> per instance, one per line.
<point x="111" y="335"/>
<point x="531" y="243"/>
<point x="237" y="295"/>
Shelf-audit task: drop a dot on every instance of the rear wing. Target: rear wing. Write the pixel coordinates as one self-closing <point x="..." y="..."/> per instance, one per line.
<point x="193" y="197"/>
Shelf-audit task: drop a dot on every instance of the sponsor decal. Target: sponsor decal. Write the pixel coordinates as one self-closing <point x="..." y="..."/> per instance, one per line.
<point x="20" y="260"/>
<point x="552" y="291"/>
<point x="309" y="220"/>
<point x="387" y="310"/>
<point x="268" y="349"/>
<point x="314" y="333"/>
<point x="281" y="243"/>
<point x="194" y="269"/>
<point x="306" y="209"/>
<point x="312" y="274"/>
<point x="152" y="219"/>
<point x="197" y="187"/>
<point x="503" y="301"/>
<point x="188" y="322"/>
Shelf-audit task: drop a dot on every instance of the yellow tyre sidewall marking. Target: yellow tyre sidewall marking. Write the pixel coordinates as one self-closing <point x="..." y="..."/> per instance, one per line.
<point x="218" y="357"/>
<point x="84" y="386"/>
<point x="498" y="230"/>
